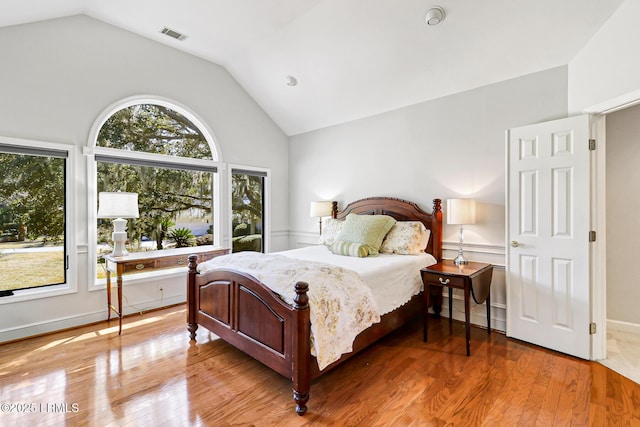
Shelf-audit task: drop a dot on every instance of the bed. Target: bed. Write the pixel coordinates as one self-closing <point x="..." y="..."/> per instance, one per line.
<point x="247" y="314"/>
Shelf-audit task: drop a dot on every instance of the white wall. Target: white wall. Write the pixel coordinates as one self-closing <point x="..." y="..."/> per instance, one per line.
<point x="608" y="67"/>
<point x="446" y="148"/>
<point x="623" y="206"/>
<point x="57" y="76"/>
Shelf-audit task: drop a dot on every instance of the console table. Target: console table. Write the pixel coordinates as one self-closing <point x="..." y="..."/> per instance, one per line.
<point x="151" y="260"/>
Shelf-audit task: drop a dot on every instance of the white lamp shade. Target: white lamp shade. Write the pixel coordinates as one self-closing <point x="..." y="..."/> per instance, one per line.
<point x="461" y="211"/>
<point x="118" y="205"/>
<point x="320" y="209"/>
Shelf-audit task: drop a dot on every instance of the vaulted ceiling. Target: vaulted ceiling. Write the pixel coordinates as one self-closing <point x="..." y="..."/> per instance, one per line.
<point x="351" y="58"/>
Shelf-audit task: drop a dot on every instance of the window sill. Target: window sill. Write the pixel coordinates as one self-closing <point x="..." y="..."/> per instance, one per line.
<point x="38" y="293"/>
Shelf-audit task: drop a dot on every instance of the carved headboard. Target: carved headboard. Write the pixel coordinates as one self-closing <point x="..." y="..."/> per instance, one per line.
<point x="401" y="210"/>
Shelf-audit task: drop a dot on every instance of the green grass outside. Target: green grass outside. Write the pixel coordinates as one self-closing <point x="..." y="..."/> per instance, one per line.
<point x="101" y="271"/>
<point x="33" y="269"/>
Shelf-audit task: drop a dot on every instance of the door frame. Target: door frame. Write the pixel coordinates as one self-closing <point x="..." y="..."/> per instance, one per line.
<point x="599" y="264"/>
<point x="599" y="247"/>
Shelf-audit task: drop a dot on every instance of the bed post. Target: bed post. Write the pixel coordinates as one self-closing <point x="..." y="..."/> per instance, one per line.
<point x="301" y="357"/>
<point x="334" y="209"/>
<point x="192" y="325"/>
<point x="436" y="229"/>
<point x="436" y="236"/>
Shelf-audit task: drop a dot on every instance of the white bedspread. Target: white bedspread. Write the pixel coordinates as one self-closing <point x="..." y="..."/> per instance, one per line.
<point x="393" y="279"/>
<point x="340" y="303"/>
<point x="366" y="287"/>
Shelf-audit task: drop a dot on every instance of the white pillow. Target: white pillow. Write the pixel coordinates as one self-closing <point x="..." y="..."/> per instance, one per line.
<point x="330" y="229"/>
<point x="406" y="238"/>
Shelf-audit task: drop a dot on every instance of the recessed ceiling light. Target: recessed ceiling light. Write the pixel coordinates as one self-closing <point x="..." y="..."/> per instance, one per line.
<point x="173" y="34"/>
<point x="435" y="16"/>
<point x="291" y="81"/>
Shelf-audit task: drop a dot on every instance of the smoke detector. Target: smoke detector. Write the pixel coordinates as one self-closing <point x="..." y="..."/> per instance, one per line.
<point x="291" y="81"/>
<point x="434" y="16"/>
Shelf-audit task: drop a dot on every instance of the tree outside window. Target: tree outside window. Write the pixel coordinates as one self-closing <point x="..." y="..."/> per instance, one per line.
<point x="175" y="202"/>
<point x="247" y="210"/>
<point x="32" y="218"/>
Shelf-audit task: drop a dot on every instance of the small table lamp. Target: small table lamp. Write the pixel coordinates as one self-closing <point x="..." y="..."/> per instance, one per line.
<point x="119" y="206"/>
<point x="320" y="209"/>
<point x="461" y="211"/>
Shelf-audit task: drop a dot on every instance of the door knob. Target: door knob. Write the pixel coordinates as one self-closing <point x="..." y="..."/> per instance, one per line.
<point x="515" y="244"/>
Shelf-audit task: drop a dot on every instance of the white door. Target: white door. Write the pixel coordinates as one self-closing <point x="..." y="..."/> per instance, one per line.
<point x="548" y="218"/>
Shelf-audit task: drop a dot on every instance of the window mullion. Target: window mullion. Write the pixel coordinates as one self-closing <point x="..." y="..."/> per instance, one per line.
<point x="114" y="155"/>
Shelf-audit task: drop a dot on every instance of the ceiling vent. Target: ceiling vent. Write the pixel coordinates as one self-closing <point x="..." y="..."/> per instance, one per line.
<point x="173" y="34"/>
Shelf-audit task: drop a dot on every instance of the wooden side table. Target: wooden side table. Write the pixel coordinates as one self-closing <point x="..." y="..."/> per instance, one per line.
<point x="474" y="278"/>
<point x="150" y="260"/>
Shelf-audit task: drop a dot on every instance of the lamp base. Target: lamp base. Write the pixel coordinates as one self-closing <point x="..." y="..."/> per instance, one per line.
<point x="119" y="249"/>
<point x="119" y="237"/>
<point x="460" y="260"/>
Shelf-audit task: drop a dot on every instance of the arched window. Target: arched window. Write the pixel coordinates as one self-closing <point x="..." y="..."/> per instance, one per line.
<point x="163" y="154"/>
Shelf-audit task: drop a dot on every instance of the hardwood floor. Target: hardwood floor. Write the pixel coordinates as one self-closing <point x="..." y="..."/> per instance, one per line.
<point x="153" y="375"/>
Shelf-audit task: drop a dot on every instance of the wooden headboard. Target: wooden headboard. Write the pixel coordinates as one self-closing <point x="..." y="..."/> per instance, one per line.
<point x="401" y="210"/>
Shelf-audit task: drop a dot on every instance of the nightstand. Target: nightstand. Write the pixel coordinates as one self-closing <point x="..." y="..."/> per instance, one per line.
<point x="474" y="278"/>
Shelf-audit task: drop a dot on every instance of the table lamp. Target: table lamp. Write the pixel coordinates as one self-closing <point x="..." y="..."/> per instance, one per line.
<point x="320" y="209"/>
<point x="118" y="205"/>
<point x="461" y="212"/>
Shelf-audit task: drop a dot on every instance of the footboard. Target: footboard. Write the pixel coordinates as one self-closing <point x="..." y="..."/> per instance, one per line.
<point x="248" y="315"/>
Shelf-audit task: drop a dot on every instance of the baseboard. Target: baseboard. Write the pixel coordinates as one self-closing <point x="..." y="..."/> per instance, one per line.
<point x="54" y="325"/>
<point x="617" y="325"/>
<point x="478" y="315"/>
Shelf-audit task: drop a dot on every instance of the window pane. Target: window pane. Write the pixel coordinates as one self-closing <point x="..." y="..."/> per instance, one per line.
<point x="247" y="212"/>
<point x="175" y="207"/>
<point x="154" y="129"/>
<point x="32" y="221"/>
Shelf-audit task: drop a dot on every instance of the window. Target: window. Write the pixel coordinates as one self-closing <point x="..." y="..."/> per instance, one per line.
<point x="154" y="150"/>
<point x="33" y="209"/>
<point x="247" y="210"/>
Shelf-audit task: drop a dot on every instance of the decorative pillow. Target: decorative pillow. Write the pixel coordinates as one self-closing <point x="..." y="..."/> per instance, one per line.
<point x="406" y="238"/>
<point x="366" y="229"/>
<point x="340" y="247"/>
<point x="330" y="228"/>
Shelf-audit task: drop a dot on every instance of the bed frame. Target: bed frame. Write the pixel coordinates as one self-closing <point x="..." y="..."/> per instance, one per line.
<point x="248" y="315"/>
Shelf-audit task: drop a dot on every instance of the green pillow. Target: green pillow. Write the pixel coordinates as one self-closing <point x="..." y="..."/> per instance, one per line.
<point x="368" y="230"/>
<point x="340" y="247"/>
